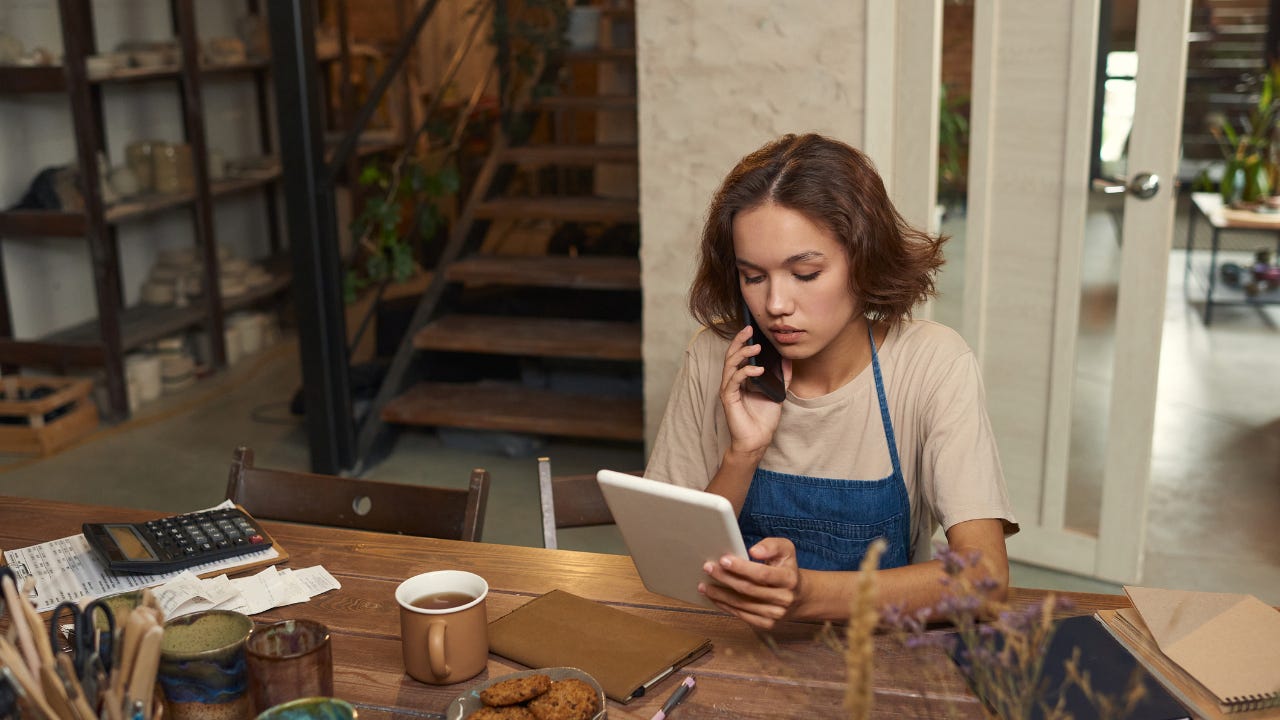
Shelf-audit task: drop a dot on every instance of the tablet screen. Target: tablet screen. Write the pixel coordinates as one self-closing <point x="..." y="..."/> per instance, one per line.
<point x="671" y="532"/>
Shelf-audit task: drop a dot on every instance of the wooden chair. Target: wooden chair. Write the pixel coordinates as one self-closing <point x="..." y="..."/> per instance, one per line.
<point x="569" y="501"/>
<point x="301" y="497"/>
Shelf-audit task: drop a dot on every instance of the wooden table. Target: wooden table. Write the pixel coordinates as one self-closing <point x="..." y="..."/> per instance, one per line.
<point x="1208" y="206"/>
<point x="740" y="678"/>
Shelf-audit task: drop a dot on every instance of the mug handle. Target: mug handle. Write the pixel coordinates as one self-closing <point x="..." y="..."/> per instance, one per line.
<point x="435" y="649"/>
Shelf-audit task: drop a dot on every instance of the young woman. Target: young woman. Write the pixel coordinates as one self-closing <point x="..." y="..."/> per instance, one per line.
<point x="883" y="432"/>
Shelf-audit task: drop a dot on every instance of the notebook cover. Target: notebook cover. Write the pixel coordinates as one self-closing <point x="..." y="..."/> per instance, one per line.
<point x="1126" y="626"/>
<point x="1110" y="668"/>
<point x="1227" y="641"/>
<point x="625" y="653"/>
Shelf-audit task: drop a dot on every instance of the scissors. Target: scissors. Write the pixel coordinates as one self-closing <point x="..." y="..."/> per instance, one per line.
<point x="90" y="645"/>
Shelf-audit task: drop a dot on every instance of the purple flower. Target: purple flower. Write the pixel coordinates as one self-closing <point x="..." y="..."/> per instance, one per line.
<point x="959" y="605"/>
<point x="891" y="615"/>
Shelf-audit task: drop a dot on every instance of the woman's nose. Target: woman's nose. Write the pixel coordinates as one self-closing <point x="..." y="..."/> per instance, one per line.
<point x="778" y="302"/>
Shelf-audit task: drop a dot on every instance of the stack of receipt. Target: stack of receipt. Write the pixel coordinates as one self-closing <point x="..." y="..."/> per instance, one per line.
<point x="271" y="588"/>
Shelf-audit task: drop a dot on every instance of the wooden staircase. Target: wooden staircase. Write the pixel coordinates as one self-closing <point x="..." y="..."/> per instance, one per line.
<point x="1226" y="53"/>
<point x="449" y="320"/>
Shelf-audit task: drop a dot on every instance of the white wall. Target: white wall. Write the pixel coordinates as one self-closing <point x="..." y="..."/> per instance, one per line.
<point x="717" y="79"/>
<point x="50" y="280"/>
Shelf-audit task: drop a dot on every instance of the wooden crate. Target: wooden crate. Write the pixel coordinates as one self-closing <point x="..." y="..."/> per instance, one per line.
<point x="26" y="431"/>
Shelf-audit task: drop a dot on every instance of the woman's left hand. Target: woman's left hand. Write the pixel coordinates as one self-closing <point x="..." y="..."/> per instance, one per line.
<point x="761" y="593"/>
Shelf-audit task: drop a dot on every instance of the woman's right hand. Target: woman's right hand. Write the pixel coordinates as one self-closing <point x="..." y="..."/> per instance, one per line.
<point x="752" y="417"/>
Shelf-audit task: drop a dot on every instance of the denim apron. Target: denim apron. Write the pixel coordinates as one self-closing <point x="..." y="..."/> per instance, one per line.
<point x="831" y="521"/>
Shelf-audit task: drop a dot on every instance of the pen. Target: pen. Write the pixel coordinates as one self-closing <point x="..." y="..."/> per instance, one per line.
<point x="675" y="699"/>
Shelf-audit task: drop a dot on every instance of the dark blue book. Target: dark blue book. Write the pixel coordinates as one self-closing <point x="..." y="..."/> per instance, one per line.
<point x="1110" y="666"/>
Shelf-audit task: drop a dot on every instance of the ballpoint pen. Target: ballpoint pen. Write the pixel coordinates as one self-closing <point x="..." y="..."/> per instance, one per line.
<point x="676" y="697"/>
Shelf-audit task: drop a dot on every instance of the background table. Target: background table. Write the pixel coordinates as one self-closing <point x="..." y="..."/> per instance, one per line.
<point x="1208" y="206"/>
<point x="740" y="678"/>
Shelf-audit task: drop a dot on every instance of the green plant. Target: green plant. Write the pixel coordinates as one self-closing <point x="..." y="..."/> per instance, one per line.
<point x="953" y="143"/>
<point x="402" y="211"/>
<point x="1249" y="173"/>
<point x="527" y="33"/>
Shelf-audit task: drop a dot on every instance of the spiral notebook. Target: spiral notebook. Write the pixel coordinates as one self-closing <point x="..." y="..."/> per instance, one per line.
<point x="1216" y="649"/>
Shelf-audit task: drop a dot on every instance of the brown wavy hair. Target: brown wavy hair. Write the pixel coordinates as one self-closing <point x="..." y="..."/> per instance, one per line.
<point x="891" y="264"/>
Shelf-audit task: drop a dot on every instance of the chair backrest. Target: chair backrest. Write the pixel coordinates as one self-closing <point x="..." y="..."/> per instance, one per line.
<point x="569" y="501"/>
<point x="448" y="513"/>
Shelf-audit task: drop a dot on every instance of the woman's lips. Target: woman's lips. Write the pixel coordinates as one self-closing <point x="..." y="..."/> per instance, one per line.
<point x="785" y="335"/>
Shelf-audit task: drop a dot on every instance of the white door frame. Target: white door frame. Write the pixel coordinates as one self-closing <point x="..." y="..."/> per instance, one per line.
<point x="1031" y="392"/>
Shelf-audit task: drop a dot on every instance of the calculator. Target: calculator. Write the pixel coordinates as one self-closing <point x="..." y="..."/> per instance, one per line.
<point x="176" y="542"/>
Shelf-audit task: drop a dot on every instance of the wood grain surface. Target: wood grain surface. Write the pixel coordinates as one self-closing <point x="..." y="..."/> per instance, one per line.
<point x="793" y="676"/>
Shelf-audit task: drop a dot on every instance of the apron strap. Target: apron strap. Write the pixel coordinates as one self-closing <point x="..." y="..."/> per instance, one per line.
<point x="884" y="404"/>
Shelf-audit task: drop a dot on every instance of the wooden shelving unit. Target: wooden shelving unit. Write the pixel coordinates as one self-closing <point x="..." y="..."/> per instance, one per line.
<point x="117" y="329"/>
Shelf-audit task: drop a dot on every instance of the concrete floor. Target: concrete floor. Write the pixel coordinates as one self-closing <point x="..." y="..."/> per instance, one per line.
<point x="1215" y="486"/>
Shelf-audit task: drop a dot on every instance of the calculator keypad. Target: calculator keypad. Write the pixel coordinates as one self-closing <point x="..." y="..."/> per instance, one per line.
<point x="181" y="541"/>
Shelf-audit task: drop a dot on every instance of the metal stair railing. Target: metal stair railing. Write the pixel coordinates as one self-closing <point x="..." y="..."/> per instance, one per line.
<point x="373" y="430"/>
<point x="311" y="216"/>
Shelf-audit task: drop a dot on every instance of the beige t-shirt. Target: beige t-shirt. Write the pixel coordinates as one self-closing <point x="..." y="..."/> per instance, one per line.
<point x="934" y="391"/>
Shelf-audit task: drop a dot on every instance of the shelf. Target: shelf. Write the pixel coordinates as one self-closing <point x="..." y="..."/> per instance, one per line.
<point x="56" y="223"/>
<point x="53" y="79"/>
<point x="47" y="78"/>
<point x="250" y="65"/>
<point x="141" y="324"/>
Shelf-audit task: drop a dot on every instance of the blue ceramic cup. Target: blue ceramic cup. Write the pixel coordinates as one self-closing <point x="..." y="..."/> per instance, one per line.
<point x="202" y="666"/>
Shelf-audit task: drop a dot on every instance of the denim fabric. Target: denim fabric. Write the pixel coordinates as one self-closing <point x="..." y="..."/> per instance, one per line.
<point x="832" y="521"/>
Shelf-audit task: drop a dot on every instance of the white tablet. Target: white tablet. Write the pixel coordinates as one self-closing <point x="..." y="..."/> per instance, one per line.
<point x="671" y="532"/>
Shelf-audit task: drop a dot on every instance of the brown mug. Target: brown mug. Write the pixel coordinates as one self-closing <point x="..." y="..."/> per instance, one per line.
<point x="444" y="631"/>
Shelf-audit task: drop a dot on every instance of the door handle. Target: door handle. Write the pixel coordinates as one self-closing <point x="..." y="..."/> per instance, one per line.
<point x="1144" y="185"/>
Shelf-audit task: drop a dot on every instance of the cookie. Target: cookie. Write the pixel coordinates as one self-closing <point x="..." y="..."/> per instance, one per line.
<point x="515" y="690"/>
<point x="504" y="712"/>
<point x="568" y="699"/>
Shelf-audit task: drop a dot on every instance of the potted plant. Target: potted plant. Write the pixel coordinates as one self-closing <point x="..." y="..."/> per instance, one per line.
<point x="1249" y="175"/>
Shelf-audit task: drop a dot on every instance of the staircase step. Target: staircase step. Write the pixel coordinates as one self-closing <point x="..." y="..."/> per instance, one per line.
<point x="567" y="209"/>
<point x="561" y="271"/>
<point x="545" y="337"/>
<point x="572" y="154"/>
<point x="586" y="102"/>
<point x="492" y="405"/>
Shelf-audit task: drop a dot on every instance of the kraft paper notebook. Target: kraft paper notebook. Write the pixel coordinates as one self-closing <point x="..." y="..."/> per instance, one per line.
<point x="1219" y="651"/>
<point x="1126" y="626"/>
<point x="624" y="652"/>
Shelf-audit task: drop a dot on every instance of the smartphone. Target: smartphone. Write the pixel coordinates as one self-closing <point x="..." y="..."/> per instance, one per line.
<point x="770" y="383"/>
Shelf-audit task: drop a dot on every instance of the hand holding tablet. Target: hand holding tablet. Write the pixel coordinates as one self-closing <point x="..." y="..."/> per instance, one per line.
<point x="671" y="532"/>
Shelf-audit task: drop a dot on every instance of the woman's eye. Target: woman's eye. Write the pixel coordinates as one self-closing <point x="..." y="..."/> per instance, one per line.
<point x="752" y="280"/>
<point x="810" y="276"/>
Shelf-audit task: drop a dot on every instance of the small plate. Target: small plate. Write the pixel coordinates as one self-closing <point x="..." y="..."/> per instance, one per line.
<point x="470" y="702"/>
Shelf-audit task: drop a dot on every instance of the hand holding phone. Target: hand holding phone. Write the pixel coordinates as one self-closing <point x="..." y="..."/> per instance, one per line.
<point x="771" y="383"/>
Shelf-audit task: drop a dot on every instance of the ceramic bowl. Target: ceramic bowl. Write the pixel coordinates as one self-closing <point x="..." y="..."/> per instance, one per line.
<point x="311" y="708"/>
<point x="470" y="702"/>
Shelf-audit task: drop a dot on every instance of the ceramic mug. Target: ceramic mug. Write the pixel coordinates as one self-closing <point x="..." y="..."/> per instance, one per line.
<point x="289" y="660"/>
<point x="202" y="666"/>
<point x="444" y="631"/>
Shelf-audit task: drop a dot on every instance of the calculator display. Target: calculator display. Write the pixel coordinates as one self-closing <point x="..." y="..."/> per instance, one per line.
<point x="130" y="544"/>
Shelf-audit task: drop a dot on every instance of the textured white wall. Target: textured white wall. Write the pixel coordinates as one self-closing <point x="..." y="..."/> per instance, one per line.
<point x="717" y="79"/>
